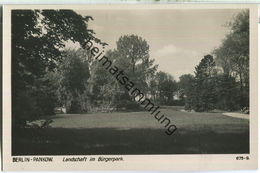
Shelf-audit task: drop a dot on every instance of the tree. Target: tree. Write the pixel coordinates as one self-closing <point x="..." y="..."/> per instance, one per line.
<point x="38" y="37"/>
<point x="104" y="85"/>
<point x="73" y="74"/>
<point x="163" y="88"/>
<point x="233" y="54"/>
<point x="166" y="87"/>
<point x="227" y="92"/>
<point x="209" y="89"/>
<point x="185" y="86"/>
<point x="133" y="56"/>
<point x="203" y="96"/>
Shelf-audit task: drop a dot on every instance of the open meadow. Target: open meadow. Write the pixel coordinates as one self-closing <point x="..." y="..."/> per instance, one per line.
<point x="135" y="133"/>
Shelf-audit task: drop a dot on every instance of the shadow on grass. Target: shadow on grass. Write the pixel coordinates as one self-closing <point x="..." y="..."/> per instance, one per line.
<point x="104" y="141"/>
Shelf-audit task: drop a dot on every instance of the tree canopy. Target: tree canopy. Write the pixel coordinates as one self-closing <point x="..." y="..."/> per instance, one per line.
<point x="38" y="38"/>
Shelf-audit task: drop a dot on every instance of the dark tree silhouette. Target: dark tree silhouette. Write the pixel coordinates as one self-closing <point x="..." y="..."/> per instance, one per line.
<point x="38" y="36"/>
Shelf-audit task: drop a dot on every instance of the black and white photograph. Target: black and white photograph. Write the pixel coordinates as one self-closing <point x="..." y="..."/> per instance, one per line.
<point x="130" y="81"/>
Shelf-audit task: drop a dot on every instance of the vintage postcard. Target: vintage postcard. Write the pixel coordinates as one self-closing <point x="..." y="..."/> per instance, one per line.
<point x="130" y="87"/>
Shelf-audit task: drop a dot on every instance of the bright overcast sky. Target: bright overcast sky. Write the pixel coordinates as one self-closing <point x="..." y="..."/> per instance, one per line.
<point x="178" y="39"/>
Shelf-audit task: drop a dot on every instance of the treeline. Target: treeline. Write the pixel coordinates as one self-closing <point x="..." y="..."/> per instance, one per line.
<point x="45" y="75"/>
<point x="222" y="82"/>
<point x="83" y="84"/>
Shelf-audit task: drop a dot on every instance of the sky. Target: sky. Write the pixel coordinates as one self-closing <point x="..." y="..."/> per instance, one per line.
<point x="178" y="39"/>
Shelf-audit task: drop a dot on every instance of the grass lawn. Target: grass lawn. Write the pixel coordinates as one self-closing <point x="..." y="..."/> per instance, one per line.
<point x="135" y="133"/>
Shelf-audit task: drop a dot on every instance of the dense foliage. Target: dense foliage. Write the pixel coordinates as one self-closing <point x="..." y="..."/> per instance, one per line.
<point x="38" y="37"/>
<point x="222" y="82"/>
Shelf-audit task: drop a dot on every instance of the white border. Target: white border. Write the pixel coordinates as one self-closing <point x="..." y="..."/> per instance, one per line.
<point x="134" y="162"/>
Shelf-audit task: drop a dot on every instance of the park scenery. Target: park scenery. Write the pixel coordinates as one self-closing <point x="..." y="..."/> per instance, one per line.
<point x="88" y="82"/>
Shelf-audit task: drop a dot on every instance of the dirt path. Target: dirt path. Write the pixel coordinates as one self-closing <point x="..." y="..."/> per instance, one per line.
<point x="237" y="115"/>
